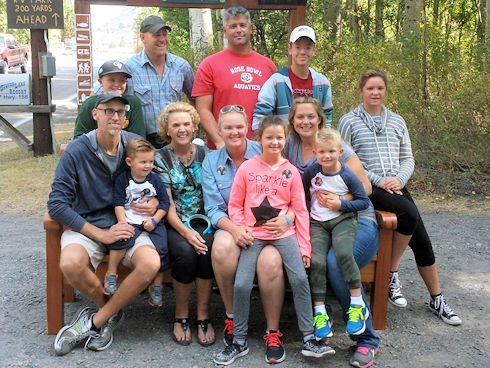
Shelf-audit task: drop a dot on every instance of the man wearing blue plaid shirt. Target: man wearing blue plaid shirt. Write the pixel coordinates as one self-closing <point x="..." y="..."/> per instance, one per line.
<point x="159" y="77"/>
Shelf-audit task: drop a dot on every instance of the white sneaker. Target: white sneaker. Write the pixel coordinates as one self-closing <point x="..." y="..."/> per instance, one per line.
<point x="395" y="295"/>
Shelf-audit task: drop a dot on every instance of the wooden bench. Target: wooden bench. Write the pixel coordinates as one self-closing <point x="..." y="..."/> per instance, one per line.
<point x="59" y="291"/>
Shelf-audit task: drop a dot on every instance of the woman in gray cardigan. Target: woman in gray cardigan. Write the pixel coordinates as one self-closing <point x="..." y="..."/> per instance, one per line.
<point x="380" y="139"/>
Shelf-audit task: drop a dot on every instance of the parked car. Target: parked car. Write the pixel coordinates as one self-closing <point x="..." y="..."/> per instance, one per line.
<point x="70" y="47"/>
<point x="12" y="53"/>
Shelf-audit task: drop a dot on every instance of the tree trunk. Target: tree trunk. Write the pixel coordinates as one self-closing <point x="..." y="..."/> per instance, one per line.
<point x="368" y="18"/>
<point x="379" y="31"/>
<point x="413" y="13"/>
<point x="425" y="92"/>
<point x="219" y="32"/>
<point x="399" y="17"/>
<point x="332" y="13"/>
<point x="435" y="9"/>
<point x="352" y="9"/>
<point x="201" y="33"/>
<point x="485" y="12"/>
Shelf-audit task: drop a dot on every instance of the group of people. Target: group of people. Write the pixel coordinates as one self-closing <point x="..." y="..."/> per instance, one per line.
<point x="276" y="189"/>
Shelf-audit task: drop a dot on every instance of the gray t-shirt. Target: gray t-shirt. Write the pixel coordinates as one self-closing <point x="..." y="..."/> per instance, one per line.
<point x="111" y="161"/>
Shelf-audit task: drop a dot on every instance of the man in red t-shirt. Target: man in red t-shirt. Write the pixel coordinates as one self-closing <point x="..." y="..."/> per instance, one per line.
<point x="233" y="76"/>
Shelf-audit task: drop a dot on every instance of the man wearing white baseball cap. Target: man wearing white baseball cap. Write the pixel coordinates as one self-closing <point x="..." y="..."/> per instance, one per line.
<point x="299" y="79"/>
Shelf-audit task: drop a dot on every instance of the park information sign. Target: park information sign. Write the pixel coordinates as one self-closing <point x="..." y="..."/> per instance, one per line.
<point x="35" y="14"/>
<point x="15" y="89"/>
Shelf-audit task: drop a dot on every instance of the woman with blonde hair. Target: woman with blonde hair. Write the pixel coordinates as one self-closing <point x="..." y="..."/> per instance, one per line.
<point x="179" y="165"/>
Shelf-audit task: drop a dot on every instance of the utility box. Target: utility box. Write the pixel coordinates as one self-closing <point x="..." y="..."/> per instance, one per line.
<point x="15" y="89"/>
<point x="48" y="65"/>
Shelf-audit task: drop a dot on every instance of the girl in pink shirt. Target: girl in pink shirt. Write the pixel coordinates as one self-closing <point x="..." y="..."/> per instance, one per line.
<point x="265" y="187"/>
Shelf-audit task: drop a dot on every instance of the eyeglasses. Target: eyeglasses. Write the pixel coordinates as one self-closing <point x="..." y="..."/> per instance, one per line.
<point x="110" y="112"/>
<point x="229" y="108"/>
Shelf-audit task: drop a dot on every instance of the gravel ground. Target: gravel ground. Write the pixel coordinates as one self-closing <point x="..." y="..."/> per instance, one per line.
<point x="414" y="337"/>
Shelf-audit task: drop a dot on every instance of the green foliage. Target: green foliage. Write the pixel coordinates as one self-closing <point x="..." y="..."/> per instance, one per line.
<point x="69" y="20"/>
<point x="270" y="34"/>
<point x="450" y="131"/>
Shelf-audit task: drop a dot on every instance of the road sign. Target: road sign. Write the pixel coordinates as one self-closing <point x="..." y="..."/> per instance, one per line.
<point x="15" y="89"/>
<point x="35" y="14"/>
<point x="84" y="56"/>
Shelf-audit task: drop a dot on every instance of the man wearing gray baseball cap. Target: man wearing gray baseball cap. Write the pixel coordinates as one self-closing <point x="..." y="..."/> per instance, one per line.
<point x="159" y="77"/>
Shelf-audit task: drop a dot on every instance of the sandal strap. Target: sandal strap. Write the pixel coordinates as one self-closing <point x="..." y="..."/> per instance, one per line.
<point x="184" y="322"/>
<point x="203" y="323"/>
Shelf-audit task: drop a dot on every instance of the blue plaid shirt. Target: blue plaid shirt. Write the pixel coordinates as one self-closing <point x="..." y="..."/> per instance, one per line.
<point x="218" y="173"/>
<point x="153" y="92"/>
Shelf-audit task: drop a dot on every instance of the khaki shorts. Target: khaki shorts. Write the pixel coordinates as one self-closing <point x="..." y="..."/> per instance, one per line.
<point x="97" y="251"/>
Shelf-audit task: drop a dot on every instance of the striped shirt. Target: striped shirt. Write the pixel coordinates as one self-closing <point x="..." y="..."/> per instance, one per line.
<point x="381" y="142"/>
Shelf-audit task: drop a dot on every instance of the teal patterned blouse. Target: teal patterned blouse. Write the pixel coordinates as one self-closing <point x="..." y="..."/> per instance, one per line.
<point x="183" y="181"/>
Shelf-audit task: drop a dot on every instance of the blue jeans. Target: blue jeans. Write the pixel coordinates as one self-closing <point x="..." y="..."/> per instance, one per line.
<point x="365" y="248"/>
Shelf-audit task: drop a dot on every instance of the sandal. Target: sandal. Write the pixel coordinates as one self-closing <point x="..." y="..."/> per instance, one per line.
<point x="184" y="324"/>
<point x="203" y="324"/>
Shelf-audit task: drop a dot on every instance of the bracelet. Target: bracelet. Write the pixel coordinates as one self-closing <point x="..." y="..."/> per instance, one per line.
<point x="288" y="220"/>
<point x="154" y="222"/>
<point x="341" y="197"/>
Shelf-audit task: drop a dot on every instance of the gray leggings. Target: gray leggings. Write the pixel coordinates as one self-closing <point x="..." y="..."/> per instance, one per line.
<point x="293" y="262"/>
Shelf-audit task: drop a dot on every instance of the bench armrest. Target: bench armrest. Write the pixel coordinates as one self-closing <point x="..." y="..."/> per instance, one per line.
<point x="386" y="220"/>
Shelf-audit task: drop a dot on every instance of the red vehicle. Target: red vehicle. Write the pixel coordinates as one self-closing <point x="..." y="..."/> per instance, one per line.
<point x="12" y="54"/>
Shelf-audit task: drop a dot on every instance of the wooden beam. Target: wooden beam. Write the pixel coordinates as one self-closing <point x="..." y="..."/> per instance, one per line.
<point x="28" y="108"/>
<point x="19" y="138"/>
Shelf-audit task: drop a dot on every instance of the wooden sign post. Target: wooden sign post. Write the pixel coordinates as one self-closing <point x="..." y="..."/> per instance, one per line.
<point x="38" y="16"/>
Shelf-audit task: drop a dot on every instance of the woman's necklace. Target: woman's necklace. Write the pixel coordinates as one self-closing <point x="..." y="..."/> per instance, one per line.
<point x="187" y="161"/>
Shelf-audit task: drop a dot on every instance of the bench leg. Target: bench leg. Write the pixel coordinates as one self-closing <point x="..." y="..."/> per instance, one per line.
<point x="54" y="283"/>
<point x="379" y="293"/>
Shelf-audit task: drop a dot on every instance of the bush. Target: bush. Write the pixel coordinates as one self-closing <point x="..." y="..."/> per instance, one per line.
<point x="449" y="129"/>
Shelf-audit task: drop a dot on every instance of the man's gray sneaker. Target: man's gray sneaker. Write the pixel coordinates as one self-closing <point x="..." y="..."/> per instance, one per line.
<point x="156" y="296"/>
<point x="103" y="340"/>
<point x="110" y="284"/>
<point x="71" y="335"/>
<point x="230" y="353"/>
<point x="316" y="349"/>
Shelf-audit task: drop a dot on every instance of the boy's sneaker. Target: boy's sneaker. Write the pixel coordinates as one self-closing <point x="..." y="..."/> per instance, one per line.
<point x="395" y="295"/>
<point x="316" y="349"/>
<point x="274" y="350"/>
<point x="356" y="324"/>
<point x="71" y="335"/>
<point x="103" y="340"/>
<point x="439" y="306"/>
<point x="321" y="322"/>
<point x="110" y="284"/>
<point x="228" y="331"/>
<point x="363" y="357"/>
<point x="231" y="353"/>
<point x="156" y="296"/>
